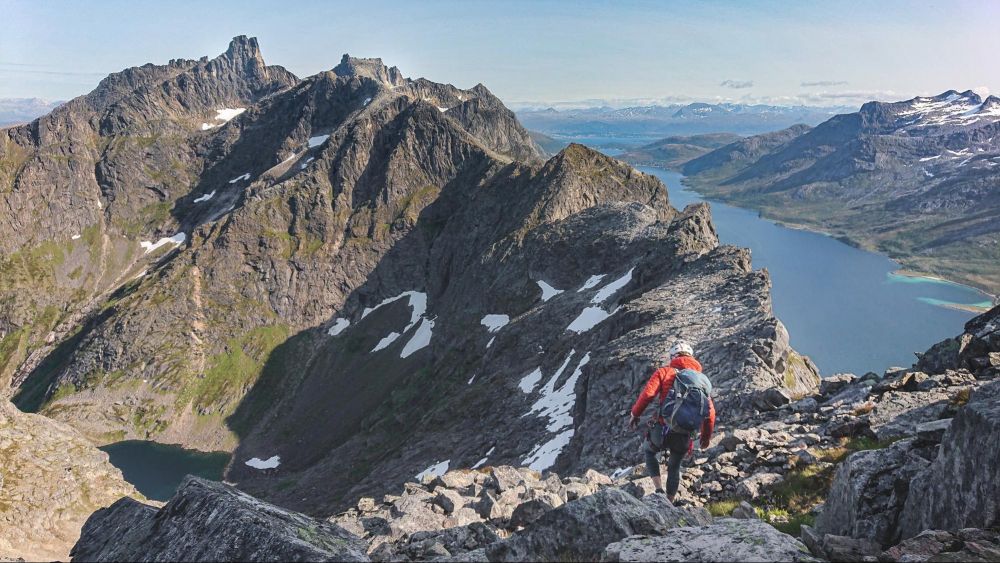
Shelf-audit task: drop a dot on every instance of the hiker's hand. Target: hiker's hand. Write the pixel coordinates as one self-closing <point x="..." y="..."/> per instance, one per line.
<point x="633" y="422"/>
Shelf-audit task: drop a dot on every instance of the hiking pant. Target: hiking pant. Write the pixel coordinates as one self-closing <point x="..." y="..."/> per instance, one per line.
<point x="675" y="443"/>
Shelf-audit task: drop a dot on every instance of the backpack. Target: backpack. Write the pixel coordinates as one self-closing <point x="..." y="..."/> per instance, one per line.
<point x="685" y="407"/>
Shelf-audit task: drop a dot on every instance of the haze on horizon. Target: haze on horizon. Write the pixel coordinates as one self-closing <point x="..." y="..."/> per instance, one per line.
<point x="536" y="52"/>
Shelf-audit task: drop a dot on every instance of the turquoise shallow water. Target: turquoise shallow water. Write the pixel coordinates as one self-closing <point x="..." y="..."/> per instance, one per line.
<point x="157" y="469"/>
<point x="844" y="307"/>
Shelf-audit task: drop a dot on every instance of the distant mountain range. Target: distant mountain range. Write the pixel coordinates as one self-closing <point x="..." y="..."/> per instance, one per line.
<point x="650" y="122"/>
<point x="675" y="151"/>
<point x="23" y="110"/>
<point x="918" y="179"/>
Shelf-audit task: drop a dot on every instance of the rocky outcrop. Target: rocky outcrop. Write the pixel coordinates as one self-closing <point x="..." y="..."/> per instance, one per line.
<point x="869" y="491"/>
<point x="449" y="517"/>
<point x="728" y="539"/>
<point x="941" y="477"/>
<point x="208" y="521"/>
<point x="51" y="480"/>
<point x="961" y="488"/>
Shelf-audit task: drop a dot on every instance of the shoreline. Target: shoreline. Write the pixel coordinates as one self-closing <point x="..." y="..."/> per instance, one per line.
<point x="901" y="271"/>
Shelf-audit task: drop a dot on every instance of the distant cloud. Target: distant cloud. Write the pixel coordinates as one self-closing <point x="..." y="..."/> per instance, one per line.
<point x="824" y="83"/>
<point x="737" y="84"/>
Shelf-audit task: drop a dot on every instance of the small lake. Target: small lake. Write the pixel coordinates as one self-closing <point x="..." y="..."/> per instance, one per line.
<point x="157" y="469"/>
<point x="843" y="307"/>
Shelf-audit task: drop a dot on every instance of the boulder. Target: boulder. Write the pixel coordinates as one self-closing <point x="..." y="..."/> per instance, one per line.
<point x="755" y="485"/>
<point x="868" y="492"/>
<point x="897" y="413"/>
<point x="969" y="544"/>
<point x="842" y="548"/>
<point x="581" y="529"/>
<point x="933" y="431"/>
<point x="771" y="398"/>
<point x="728" y="539"/>
<point x="210" y="521"/>
<point x="961" y="488"/>
<point x="745" y="511"/>
<point x="829" y="386"/>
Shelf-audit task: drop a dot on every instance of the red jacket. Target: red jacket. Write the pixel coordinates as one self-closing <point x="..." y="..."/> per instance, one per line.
<point x="662" y="381"/>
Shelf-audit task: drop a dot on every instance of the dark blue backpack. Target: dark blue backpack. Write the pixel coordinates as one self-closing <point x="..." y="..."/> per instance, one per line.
<point x="685" y="407"/>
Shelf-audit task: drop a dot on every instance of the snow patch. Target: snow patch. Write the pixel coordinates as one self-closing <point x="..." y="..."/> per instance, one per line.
<point x="495" y="322"/>
<point x="548" y="292"/>
<point x="338" y="326"/>
<point x="205" y="197"/>
<point x="269" y="463"/>
<point x="421" y="338"/>
<point x="613" y="287"/>
<point x="442" y="110"/>
<point x="223" y="115"/>
<point x="529" y="381"/>
<point x="306" y="163"/>
<point x="556" y="404"/>
<point x="175" y="240"/>
<point x="367" y="101"/>
<point x="386" y="341"/>
<point x="436" y="470"/>
<point x="929" y="158"/>
<point x="588" y="319"/>
<point x="240" y="177"/>
<point x="486" y="457"/>
<point x="490" y="343"/>
<point x="317" y="140"/>
<point x="545" y="454"/>
<point x="591" y="282"/>
<point x="74" y="237"/>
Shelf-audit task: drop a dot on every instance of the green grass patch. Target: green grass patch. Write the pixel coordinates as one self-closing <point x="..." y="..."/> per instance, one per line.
<point x="722" y="508"/>
<point x="231" y="374"/>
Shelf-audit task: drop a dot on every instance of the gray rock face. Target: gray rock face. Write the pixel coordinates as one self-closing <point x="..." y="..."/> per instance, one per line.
<point x="728" y="539"/>
<point x="868" y="492"/>
<point x="51" y="480"/>
<point x="961" y="488"/>
<point x="581" y="529"/>
<point x="208" y="521"/>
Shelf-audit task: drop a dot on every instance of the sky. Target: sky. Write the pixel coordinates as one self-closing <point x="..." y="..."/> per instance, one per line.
<point x="536" y="52"/>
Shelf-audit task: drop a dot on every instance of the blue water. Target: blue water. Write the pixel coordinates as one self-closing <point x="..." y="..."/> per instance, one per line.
<point x="843" y="307"/>
<point x="157" y="469"/>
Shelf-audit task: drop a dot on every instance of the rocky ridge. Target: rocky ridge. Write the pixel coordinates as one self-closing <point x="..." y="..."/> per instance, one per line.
<point x="51" y="480"/>
<point x="336" y="274"/>
<point x="503" y="513"/>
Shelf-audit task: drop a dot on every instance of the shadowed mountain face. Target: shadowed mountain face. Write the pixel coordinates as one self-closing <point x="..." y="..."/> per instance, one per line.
<point x="352" y="277"/>
<point x="917" y="179"/>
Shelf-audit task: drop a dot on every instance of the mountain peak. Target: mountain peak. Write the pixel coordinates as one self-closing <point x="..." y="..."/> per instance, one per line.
<point x="243" y="48"/>
<point x="372" y="68"/>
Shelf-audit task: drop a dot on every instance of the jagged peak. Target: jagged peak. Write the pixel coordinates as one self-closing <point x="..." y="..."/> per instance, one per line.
<point x="372" y="68"/>
<point x="243" y="48"/>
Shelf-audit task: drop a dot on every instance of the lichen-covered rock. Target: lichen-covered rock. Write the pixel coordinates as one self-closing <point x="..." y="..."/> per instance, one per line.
<point x="961" y="488"/>
<point x="51" y="480"/>
<point x="581" y="529"/>
<point x="728" y="539"/>
<point x="868" y="492"/>
<point x="208" y="521"/>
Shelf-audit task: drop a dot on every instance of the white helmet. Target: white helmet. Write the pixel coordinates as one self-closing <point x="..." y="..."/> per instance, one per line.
<point x="681" y="347"/>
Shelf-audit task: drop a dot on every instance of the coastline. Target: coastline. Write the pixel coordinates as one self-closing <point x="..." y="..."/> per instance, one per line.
<point x="901" y="271"/>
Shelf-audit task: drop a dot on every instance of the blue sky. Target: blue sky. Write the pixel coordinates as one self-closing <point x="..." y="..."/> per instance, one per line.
<point x="819" y="53"/>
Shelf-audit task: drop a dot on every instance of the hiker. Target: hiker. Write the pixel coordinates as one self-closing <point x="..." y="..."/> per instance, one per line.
<point x="685" y="408"/>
